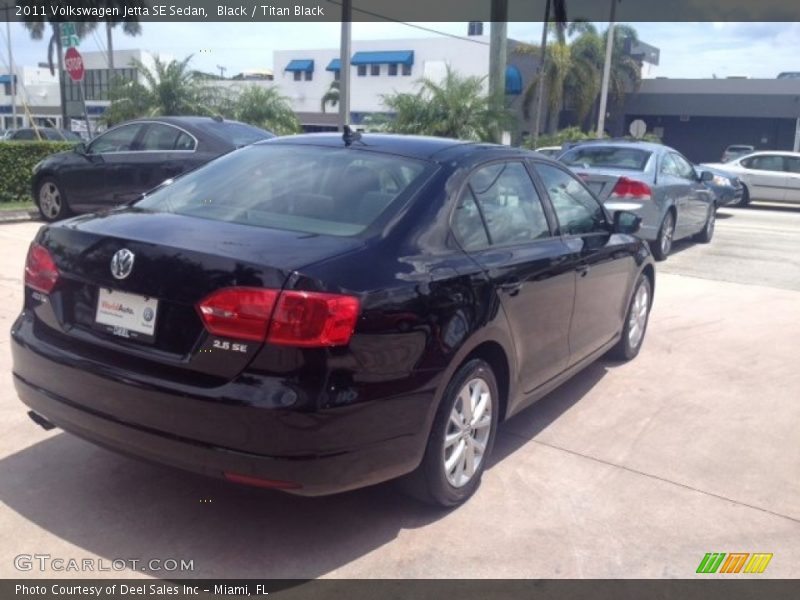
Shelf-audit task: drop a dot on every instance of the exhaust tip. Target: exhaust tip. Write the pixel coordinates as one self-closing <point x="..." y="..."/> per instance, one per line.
<point x="41" y="421"/>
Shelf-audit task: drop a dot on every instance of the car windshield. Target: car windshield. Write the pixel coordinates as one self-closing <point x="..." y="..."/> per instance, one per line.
<point x="237" y="134"/>
<point x="334" y="191"/>
<point x="614" y="157"/>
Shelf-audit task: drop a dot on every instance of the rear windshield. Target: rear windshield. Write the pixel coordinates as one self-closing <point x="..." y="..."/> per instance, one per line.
<point x="237" y="134"/>
<point x="333" y="191"/>
<point x="740" y="148"/>
<point x="613" y="157"/>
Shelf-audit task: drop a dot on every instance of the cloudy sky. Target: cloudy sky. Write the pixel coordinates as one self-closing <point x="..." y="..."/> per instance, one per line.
<point x="687" y="49"/>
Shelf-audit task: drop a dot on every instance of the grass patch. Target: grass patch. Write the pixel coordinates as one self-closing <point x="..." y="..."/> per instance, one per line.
<point x="9" y="206"/>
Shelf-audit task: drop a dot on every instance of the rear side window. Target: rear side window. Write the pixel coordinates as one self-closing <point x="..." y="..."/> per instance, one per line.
<point x="612" y="157"/>
<point x="235" y="133"/>
<point x="334" y="191"/>
<point x="166" y="138"/>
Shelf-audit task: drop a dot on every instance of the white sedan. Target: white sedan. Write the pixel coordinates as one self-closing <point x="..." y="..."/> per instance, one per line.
<point x="769" y="175"/>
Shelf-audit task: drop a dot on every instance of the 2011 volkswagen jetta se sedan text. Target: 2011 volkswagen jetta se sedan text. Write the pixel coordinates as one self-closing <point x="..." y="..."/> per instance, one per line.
<point x="318" y="313"/>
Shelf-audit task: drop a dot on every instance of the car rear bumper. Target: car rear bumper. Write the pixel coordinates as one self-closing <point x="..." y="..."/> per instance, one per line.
<point x="308" y="448"/>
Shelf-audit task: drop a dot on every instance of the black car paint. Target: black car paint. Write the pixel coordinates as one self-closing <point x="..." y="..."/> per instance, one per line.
<point x="330" y="419"/>
<point x="93" y="181"/>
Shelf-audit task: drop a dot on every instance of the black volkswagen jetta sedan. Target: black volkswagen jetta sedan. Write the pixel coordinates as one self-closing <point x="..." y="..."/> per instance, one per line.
<point x="316" y="314"/>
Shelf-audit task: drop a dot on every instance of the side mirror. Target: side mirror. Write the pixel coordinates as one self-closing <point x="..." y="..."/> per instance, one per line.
<point x="80" y="148"/>
<point x="706" y="176"/>
<point x="626" y="222"/>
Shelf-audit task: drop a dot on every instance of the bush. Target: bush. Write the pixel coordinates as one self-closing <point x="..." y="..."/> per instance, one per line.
<point x="16" y="163"/>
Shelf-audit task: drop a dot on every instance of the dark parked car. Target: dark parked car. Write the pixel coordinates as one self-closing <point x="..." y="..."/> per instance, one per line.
<point x="31" y="134"/>
<point x="120" y="164"/>
<point x="316" y="315"/>
<point x="654" y="181"/>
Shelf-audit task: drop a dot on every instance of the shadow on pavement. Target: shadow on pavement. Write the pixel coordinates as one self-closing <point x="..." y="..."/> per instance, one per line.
<point x="115" y="507"/>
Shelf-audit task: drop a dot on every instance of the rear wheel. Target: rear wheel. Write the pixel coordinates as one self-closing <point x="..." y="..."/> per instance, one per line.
<point x="705" y="235"/>
<point x="635" y="321"/>
<point x="663" y="244"/>
<point x="50" y="200"/>
<point x="461" y="439"/>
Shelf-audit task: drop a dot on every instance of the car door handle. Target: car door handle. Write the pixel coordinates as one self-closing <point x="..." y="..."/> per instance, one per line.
<point x="583" y="270"/>
<point x="511" y="287"/>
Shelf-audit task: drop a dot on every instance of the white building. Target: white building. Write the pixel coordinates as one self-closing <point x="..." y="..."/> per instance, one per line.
<point x="378" y="67"/>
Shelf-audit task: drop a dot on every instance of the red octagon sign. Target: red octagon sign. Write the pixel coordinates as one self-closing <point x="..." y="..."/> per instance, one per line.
<point x="73" y="61"/>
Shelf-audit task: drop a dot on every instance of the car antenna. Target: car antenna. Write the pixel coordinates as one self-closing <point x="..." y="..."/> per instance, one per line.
<point x="349" y="136"/>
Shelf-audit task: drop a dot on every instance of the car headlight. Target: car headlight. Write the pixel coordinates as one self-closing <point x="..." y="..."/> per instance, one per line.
<point x="720" y="180"/>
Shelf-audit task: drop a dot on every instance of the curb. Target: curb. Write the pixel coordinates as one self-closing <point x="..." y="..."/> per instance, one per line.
<point x="18" y="216"/>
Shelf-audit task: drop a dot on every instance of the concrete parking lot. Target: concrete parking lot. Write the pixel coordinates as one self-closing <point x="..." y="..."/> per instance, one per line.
<point x="629" y="470"/>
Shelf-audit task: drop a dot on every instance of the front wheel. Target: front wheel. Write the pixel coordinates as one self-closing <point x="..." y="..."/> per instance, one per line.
<point x="461" y="439"/>
<point x="744" y="201"/>
<point x="707" y="233"/>
<point x="635" y="321"/>
<point x="50" y="200"/>
<point x="663" y="244"/>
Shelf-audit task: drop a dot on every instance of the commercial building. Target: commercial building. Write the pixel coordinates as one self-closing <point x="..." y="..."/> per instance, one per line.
<point x="700" y="117"/>
<point x="381" y="67"/>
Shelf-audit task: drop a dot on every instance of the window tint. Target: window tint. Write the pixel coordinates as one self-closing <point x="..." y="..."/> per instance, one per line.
<point x="792" y="164"/>
<point x="468" y="224"/>
<point x="116" y="140"/>
<point x="335" y="191"/>
<point x="509" y="203"/>
<point x="160" y="137"/>
<point x="26" y="134"/>
<point x="668" y="166"/>
<point x="577" y="210"/>
<point x="615" y="157"/>
<point x="765" y="162"/>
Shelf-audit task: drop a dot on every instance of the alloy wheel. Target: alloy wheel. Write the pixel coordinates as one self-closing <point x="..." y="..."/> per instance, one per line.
<point x="50" y="200"/>
<point x="637" y="319"/>
<point x="467" y="432"/>
<point x="667" y="232"/>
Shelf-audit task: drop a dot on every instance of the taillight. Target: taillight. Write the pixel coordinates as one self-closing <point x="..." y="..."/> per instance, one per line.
<point x="41" y="272"/>
<point x="313" y="319"/>
<point x="290" y="318"/>
<point x="240" y="312"/>
<point x="632" y="189"/>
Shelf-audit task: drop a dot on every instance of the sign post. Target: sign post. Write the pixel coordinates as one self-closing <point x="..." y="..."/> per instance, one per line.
<point x="73" y="62"/>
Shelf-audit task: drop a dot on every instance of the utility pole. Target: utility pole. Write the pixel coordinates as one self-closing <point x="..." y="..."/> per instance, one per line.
<point x="61" y="83"/>
<point x="601" y="117"/>
<point x="110" y="44"/>
<point x="344" y="64"/>
<point x="13" y="74"/>
<point x="222" y="71"/>
<point x="498" y="45"/>
<point x="537" y="111"/>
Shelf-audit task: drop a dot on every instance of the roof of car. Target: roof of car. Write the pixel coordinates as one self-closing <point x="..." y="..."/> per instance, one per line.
<point x="414" y="146"/>
<point x="771" y="152"/>
<point x="651" y="146"/>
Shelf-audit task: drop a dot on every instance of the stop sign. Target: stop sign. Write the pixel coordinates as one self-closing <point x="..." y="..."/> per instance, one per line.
<point x="73" y="61"/>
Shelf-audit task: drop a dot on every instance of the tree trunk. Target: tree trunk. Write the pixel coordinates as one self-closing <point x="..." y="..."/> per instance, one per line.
<point x="537" y="114"/>
<point x="110" y="43"/>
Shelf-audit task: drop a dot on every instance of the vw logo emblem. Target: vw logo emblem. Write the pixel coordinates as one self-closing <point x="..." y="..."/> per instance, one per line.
<point x="148" y="314"/>
<point x="122" y="263"/>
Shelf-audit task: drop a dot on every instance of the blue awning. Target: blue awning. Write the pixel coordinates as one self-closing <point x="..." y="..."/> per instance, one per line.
<point x="300" y="65"/>
<point x="513" y="81"/>
<point x="403" y="57"/>
<point x="5" y="78"/>
<point x="334" y="65"/>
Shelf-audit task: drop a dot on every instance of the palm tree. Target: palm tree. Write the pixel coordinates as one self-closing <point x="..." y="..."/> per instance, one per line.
<point x="169" y="88"/>
<point x="456" y="107"/>
<point x="331" y="96"/>
<point x="132" y="28"/>
<point x="264" y="107"/>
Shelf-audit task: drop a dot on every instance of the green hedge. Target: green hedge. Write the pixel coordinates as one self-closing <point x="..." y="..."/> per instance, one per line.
<point x="16" y="162"/>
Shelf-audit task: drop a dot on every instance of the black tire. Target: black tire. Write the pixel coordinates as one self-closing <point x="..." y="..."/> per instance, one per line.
<point x="707" y="233"/>
<point x="628" y="346"/>
<point x="661" y="247"/>
<point x="744" y="201"/>
<point x="430" y="482"/>
<point x="50" y="200"/>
